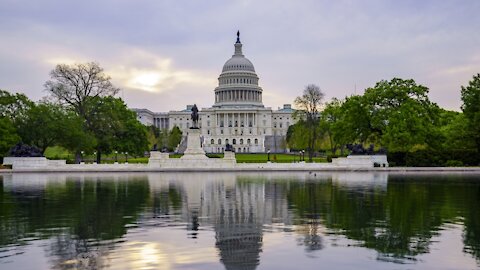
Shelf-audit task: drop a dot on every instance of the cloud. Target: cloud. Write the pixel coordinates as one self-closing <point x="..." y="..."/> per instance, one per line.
<point x="153" y="74"/>
<point x="165" y="54"/>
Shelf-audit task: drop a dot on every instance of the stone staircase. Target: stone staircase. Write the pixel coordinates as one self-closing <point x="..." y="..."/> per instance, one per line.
<point x="182" y="146"/>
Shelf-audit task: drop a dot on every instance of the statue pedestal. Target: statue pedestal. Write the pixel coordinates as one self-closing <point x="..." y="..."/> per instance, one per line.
<point x="194" y="149"/>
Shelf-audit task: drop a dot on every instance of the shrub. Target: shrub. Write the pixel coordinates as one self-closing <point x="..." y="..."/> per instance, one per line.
<point x="453" y="163"/>
<point x="434" y="158"/>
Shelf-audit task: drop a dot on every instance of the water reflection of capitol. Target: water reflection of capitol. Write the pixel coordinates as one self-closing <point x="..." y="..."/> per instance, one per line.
<point x="236" y="208"/>
<point x="239" y="208"/>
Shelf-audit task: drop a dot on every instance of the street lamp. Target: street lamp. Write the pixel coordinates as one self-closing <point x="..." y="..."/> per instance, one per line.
<point x="81" y="156"/>
<point x="95" y="157"/>
<point x="268" y="155"/>
<point x="116" y="156"/>
<point x="126" y="157"/>
<point x="303" y="155"/>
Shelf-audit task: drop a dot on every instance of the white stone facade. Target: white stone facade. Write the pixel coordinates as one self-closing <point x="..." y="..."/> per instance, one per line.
<point x="238" y="116"/>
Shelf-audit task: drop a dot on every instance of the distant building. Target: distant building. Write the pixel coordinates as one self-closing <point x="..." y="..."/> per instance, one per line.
<point x="238" y="116"/>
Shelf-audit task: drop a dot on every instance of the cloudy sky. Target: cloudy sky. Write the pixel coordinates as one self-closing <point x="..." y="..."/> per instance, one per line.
<point x="166" y="54"/>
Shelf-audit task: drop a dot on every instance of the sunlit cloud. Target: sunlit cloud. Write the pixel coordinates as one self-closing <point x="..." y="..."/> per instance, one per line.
<point x="148" y="72"/>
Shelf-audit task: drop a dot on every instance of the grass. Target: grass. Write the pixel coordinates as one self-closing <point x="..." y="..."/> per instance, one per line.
<point x="57" y="152"/>
<point x="280" y="158"/>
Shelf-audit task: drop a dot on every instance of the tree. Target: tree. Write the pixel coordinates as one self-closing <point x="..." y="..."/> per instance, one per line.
<point x="78" y="88"/>
<point x="115" y="127"/>
<point x="401" y="117"/>
<point x="174" y="138"/>
<point x="297" y="138"/>
<point x="40" y="125"/>
<point x="13" y="105"/>
<point x="8" y="135"/>
<point x="455" y="131"/>
<point x="308" y="105"/>
<point x="75" y="85"/>
<point x="471" y="108"/>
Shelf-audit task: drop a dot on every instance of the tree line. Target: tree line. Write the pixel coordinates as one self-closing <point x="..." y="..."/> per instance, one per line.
<point x="81" y="113"/>
<point x="396" y="115"/>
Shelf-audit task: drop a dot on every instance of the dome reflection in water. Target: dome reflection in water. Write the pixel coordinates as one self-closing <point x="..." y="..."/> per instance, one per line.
<point x="239" y="221"/>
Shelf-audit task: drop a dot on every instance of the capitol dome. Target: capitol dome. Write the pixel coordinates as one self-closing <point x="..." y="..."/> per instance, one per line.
<point x="238" y="82"/>
<point x="238" y="63"/>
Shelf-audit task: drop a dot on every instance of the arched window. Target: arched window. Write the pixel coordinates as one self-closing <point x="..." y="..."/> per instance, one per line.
<point x="234" y="141"/>
<point x="248" y="141"/>
<point x="256" y="141"/>
<point x="212" y="141"/>
<point x="241" y="141"/>
<point x="226" y="141"/>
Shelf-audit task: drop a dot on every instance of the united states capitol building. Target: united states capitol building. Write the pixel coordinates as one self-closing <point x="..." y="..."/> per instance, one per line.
<point x="238" y="116"/>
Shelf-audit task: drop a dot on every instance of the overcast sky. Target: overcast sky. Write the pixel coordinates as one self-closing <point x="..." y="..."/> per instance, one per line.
<point x="166" y="54"/>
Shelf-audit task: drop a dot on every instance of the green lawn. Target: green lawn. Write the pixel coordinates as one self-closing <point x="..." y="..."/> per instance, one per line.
<point x="57" y="152"/>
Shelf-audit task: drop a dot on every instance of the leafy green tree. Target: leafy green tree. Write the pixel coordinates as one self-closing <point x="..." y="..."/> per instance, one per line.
<point x="74" y="137"/>
<point x="115" y="127"/>
<point x="455" y="131"/>
<point x="297" y="136"/>
<point x="471" y="108"/>
<point x="174" y="138"/>
<point x="8" y="135"/>
<point x="78" y="87"/>
<point x="308" y="105"/>
<point x="40" y="125"/>
<point x="13" y="105"/>
<point x="356" y="122"/>
<point x="401" y="115"/>
<point x="153" y="136"/>
<point x="342" y="122"/>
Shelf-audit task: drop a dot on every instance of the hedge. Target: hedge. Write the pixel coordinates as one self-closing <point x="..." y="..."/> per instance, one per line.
<point x="434" y="158"/>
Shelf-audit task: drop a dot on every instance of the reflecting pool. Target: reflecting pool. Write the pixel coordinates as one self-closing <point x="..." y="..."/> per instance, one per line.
<point x="240" y="221"/>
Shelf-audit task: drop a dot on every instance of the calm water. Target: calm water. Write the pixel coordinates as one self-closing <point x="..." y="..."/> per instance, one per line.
<point x="240" y="221"/>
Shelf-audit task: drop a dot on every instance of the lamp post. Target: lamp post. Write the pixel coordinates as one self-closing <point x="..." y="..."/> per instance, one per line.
<point x="268" y="155"/>
<point x="95" y="157"/>
<point x="116" y="156"/>
<point x="81" y="156"/>
<point x="303" y="155"/>
<point x="126" y="157"/>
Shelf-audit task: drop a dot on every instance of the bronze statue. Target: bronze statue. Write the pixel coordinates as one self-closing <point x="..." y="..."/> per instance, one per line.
<point x="195" y="116"/>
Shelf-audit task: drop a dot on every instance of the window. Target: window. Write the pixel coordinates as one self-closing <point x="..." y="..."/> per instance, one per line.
<point x="241" y="141"/>
<point x="234" y="141"/>
<point x="248" y="141"/>
<point x="221" y="131"/>
<point x="280" y="125"/>
<point x="212" y="141"/>
<point x="219" y="141"/>
<point x="208" y="123"/>
<point x="208" y="132"/>
<point x="256" y="141"/>
<point x="275" y="124"/>
<point x="226" y="141"/>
